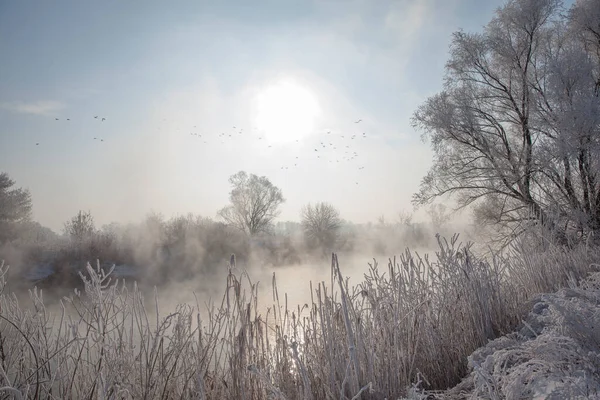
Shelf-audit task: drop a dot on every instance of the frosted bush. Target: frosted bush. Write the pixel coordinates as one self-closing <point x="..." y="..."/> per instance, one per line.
<point x="406" y="328"/>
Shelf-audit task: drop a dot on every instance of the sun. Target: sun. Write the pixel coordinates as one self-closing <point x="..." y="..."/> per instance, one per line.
<point x="286" y="111"/>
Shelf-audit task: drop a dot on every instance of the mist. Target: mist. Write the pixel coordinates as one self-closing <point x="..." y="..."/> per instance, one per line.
<point x="187" y="258"/>
<point x="300" y="200"/>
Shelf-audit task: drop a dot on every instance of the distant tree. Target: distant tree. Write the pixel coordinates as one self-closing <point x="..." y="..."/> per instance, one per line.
<point x="15" y="208"/>
<point x="405" y="218"/>
<point x="438" y="214"/>
<point x="178" y="229"/>
<point x="33" y="232"/>
<point x="154" y="226"/>
<point x="80" y="227"/>
<point x="516" y="130"/>
<point x="321" y="224"/>
<point x="254" y="204"/>
<point x="288" y="228"/>
<point x="113" y="229"/>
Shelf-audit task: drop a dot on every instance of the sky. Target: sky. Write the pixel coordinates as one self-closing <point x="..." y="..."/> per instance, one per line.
<point x="169" y="81"/>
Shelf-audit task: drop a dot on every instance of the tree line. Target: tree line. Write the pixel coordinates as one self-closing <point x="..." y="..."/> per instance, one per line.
<point x="515" y="134"/>
<point x="254" y="204"/>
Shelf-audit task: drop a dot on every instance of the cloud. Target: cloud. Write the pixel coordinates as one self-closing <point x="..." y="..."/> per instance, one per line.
<point x="405" y="20"/>
<point x="378" y="38"/>
<point x="45" y="108"/>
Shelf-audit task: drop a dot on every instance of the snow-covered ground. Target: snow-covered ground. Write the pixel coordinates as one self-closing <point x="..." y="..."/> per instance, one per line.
<point x="554" y="355"/>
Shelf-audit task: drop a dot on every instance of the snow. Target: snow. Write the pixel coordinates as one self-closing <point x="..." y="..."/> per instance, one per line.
<point x="553" y="355"/>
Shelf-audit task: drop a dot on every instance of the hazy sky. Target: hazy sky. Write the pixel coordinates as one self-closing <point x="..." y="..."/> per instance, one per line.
<point x="283" y="71"/>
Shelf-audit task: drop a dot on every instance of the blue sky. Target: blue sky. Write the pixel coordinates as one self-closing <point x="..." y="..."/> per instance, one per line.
<point x="160" y="71"/>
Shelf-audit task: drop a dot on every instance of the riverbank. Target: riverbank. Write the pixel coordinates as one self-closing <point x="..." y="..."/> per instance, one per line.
<point x="555" y="354"/>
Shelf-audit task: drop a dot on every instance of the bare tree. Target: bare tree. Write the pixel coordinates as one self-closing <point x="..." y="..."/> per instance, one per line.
<point x="321" y="224"/>
<point x="80" y="227"/>
<point x="178" y="229"/>
<point x="405" y="218"/>
<point x="584" y="18"/>
<point x="15" y="208"/>
<point x="438" y="214"/>
<point x="516" y="130"/>
<point x="254" y="204"/>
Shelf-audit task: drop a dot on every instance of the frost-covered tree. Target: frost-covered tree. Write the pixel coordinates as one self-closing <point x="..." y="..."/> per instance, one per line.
<point x="405" y="218"/>
<point x="439" y="215"/>
<point x="321" y="224"/>
<point x="254" y="204"/>
<point x="516" y="130"/>
<point x="80" y="227"/>
<point x="15" y="208"/>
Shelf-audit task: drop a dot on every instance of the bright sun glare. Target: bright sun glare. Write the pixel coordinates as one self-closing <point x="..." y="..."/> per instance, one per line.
<point x="286" y="111"/>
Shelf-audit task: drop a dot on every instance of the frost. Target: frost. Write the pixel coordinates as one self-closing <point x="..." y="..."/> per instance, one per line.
<point x="554" y="354"/>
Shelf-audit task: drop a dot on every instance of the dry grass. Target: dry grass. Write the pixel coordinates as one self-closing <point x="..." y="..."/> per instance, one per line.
<point x="414" y="321"/>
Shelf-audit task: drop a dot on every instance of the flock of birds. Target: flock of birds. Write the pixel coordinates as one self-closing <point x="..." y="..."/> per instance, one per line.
<point x="335" y="148"/>
<point x="102" y="119"/>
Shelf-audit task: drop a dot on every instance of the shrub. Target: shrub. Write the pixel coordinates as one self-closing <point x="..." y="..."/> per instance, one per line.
<point x="414" y="321"/>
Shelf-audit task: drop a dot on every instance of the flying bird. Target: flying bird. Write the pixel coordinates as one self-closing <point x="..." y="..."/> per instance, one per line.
<point x="356" y="122"/>
<point x="37" y="144"/>
<point x="56" y="119"/>
<point x="68" y="119"/>
<point x="95" y="116"/>
<point x="103" y="119"/>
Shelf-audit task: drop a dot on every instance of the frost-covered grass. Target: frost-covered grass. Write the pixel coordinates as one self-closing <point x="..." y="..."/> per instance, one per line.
<point x="414" y="320"/>
<point x="555" y="354"/>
